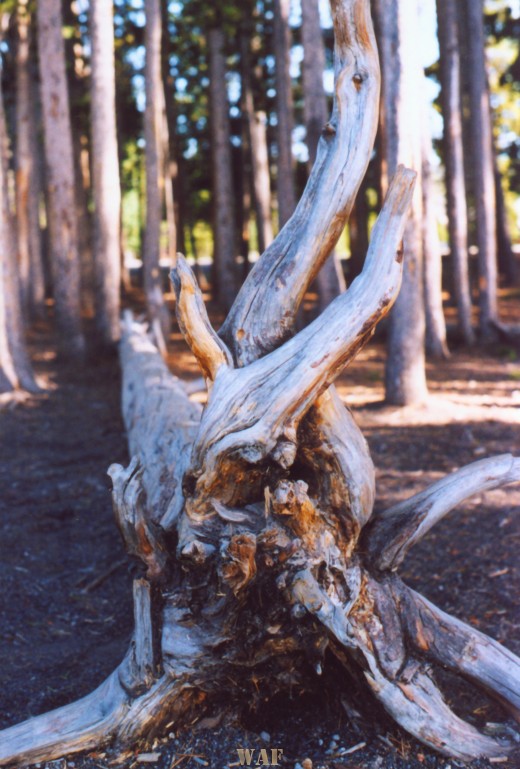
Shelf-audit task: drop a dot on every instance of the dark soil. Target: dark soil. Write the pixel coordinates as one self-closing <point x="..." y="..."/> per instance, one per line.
<point x="65" y="600"/>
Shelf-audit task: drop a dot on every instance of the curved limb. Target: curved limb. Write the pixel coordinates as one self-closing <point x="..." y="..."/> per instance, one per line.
<point x="83" y="725"/>
<point x="264" y="311"/>
<point x="393" y="533"/>
<point x="208" y="348"/>
<point x="418" y="706"/>
<point x="253" y="411"/>
<point x="369" y="624"/>
<point x="449" y="641"/>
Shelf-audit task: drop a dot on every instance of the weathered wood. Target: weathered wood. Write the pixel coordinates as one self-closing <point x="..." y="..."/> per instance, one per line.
<point x="161" y="423"/>
<point x="450" y="642"/>
<point x="142" y="537"/>
<point x="264" y="312"/>
<point x="250" y="514"/>
<point x="395" y="531"/>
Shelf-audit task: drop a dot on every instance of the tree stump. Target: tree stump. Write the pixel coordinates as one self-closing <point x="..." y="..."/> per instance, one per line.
<point x="253" y="518"/>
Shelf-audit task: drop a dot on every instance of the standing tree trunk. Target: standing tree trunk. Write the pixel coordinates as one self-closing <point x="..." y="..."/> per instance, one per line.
<point x="224" y="264"/>
<point x="254" y="519"/>
<point x="507" y="263"/>
<point x="27" y="174"/>
<point x="105" y="172"/>
<point x="15" y="366"/>
<point x="436" y="343"/>
<point x="358" y="234"/>
<point x="60" y="179"/>
<point x="284" y="112"/>
<point x="153" y="125"/>
<point x="405" y="377"/>
<point x="483" y="168"/>
<point x="331" y="281"/>
<point x="454" y="162"/>
<point x="257" y="136"/>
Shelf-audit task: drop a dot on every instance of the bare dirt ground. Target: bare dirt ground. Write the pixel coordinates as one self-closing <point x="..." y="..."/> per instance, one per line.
<point x="65" y="583"/>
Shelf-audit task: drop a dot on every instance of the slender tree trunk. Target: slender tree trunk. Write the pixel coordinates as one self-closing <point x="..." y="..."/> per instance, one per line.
<point x="171" y="171"/>
<point x="401" y="76"/>
<point x="15" y="366"/>
<point x="436" y="344"/>
<point x="170" y="178"/>
<point x="153" y="125"/>
<point x="105" y="172"/>
<point x="450" y="74"/>
<point x="331" y="281"/>
<point x="224" y="266"/>
<point x="483" y="168"/>
<point x="37" y="286"/>
<point x="358" y="234"/>
<point x="60" y="178"/>
<point x="25" y="161"/>
<point x="506" y="258"/>
<point x="257" y="136"/>
<point x="83" y="220"/>
<point x="284" y="112"/>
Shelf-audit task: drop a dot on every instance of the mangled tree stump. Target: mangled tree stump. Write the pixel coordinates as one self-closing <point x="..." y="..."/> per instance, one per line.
<point x="253" y="518"/>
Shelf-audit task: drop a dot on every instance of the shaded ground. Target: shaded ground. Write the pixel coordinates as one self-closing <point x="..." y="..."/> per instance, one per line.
<point x="65" y="585"/>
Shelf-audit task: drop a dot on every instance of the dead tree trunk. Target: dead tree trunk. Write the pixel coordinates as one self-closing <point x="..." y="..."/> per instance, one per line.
<point x="257" y="513"/>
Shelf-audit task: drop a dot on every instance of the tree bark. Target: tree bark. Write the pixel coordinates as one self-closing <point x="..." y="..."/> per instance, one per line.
<point x="284" y="113"/>
<point x="483" y="169"/>
<point x="358" y="234"/>
<point x="60" y="179"/>
<point x="330" y="281"/>
<point x="506" y="257"/>
<point x="254" y="520"/>
<point x="405" y="378"/>
<point x="454" y="162"/>
<point x="436" y="343"/>
<point x="27" y="174"/>
<point x="153" y="125"/>
<point x="105" y="172"/>
<point x="15" y="366"/>
<point x="257" y="136"/>
<point x="224" y="265"/>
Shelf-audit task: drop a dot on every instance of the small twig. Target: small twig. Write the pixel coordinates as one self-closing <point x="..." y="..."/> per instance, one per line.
<point x="103" y="576"/>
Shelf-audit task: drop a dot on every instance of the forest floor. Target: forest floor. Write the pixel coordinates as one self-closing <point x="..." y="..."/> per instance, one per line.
<point x="65" y="583"/>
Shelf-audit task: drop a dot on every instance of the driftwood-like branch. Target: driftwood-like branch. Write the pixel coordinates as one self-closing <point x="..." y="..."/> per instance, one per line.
<point x="370" y="624"/>
<point x="254" y="411"/>
<point x="143" y="539"/>
<point x="394" y="532"/>
<point x="450" y="642"/>
<point x="161" y="423"/>
<point x="265" y="309"/>
<point x="208" y="348"/>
